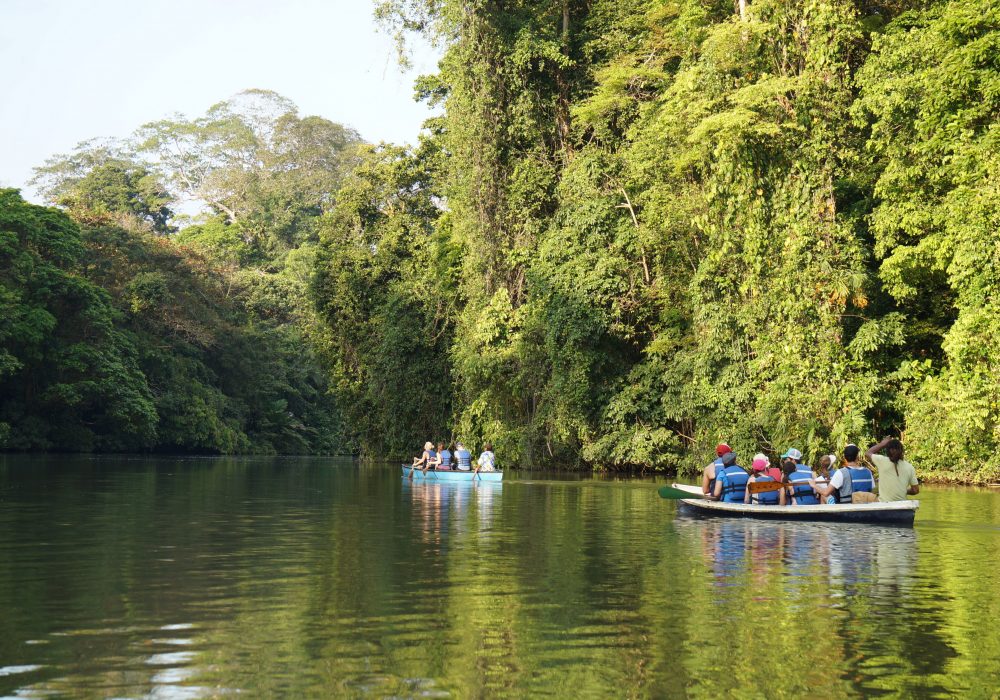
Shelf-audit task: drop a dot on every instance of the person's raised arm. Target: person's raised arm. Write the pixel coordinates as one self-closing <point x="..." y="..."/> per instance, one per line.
<point x="877" y="447"/>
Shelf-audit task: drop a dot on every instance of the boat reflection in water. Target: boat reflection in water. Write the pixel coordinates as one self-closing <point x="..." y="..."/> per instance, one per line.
<point x="443" y="508"/>
<point x="831" y="560"/>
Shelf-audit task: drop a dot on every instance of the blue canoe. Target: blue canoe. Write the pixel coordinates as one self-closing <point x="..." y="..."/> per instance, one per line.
<point x="451" y="475"/>
<point x="896" y="513"/>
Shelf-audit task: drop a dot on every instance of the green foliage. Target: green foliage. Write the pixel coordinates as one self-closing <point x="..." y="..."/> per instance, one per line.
<point x="932" y="94"/>
<point x="69" y="377"/>
<point x="691" y="221"/>
<point x="384" y="286"/>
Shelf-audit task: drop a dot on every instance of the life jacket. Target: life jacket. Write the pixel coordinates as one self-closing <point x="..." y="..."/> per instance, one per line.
<point x="734" y="483"/>
<point x="464" y="458"/>
<point x="431" y="456"/>
<point x="856" y="479"/>
<point x="802" y="492"/>
<point x="765" y="498"/>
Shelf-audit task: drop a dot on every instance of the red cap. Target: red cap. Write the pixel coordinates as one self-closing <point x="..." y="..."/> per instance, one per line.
<point x="722" y="449"/>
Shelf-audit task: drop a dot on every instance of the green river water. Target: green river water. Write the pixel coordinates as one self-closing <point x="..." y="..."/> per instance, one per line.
<point x="196" y="578"/>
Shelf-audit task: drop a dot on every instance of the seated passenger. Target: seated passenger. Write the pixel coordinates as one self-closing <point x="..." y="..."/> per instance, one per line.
<point x="423" y="460"/>
<point x="708" y="476"/>
<point x="730" y="480"/>
<point x="850" y="481"/>
<point x="800" y="483"/>
<point x="463" y="457"/>
<point x="444" y="457"/>
<point x="796" y="456"/>
<point x="827" y="466"/>
<point x="487" y="460"/>
<point x="767" y="498"/>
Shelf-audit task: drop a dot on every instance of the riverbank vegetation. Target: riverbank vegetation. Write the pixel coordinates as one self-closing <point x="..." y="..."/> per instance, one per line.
<point x="634" y="228"/>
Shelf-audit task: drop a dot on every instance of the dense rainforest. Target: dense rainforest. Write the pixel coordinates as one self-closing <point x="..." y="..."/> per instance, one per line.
<point x="635" y="228"/>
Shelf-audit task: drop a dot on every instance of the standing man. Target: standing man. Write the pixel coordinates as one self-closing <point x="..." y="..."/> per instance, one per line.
<point x="897" y="478"/>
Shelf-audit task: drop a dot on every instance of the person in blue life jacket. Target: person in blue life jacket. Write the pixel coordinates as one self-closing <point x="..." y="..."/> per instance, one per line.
<point x="850" y="481"/>
<point x="708" y="475"/>
<point x="463" y="457"/>
<point x="799" y="482"/>
<point x="444" y="457"/>
<point x="487" y="460"/>
<point x="760" y="466"/>
<point x="730" y="480"/>
<point x="424" y="460"/>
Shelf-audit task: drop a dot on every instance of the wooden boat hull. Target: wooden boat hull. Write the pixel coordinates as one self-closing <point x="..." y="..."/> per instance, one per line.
<point x="452" y="475"/>
<point x="896" y="513"/>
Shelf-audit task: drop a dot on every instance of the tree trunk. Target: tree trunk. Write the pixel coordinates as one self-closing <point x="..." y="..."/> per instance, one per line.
<point x="562" y="101"/>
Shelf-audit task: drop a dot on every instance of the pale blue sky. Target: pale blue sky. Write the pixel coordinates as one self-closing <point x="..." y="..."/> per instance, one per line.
<point x="75" y="69"/>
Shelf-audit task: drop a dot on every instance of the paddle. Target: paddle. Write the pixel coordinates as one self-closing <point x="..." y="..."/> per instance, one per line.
<point x="676" y="494"/>
<point x="764" y="486"/>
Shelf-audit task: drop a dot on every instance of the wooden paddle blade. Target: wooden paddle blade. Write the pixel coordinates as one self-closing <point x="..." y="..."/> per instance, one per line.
<point x="675" y="494"/>
<point x="763" y="486"/>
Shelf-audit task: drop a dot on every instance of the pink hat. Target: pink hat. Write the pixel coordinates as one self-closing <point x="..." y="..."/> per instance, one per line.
<point x="760" y="462"/>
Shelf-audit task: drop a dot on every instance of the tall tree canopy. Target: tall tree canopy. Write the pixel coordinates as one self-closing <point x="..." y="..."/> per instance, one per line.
<point x="772" y="222"/>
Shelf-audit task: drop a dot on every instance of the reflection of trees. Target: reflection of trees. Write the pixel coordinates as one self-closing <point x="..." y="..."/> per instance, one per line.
<point x="300" y="578"/>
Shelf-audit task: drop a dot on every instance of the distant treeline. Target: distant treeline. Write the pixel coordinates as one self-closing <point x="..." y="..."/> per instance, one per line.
<point x="120" y="333"/>
<point x="637" y="228"/>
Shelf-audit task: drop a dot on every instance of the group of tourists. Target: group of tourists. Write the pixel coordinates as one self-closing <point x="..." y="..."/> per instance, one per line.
<point x="842" y="479"/>
<point x="454" y="456"/>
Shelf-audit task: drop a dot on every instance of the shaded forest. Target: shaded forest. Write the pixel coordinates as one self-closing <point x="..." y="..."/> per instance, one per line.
<point x="634" y="228"/>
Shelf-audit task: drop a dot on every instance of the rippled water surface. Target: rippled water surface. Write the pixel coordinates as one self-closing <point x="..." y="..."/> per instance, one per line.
<point x="174" y="578"/>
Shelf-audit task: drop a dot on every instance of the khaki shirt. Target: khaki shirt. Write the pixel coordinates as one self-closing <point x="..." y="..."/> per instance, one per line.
<point x="893" y="479"/>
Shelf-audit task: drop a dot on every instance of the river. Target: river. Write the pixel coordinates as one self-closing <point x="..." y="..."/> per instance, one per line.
<point x="307" y="577"/>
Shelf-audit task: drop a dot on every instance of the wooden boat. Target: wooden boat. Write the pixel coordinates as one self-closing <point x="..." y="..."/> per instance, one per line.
<point x="451" y="475"/>
<point x="895" y="513"/>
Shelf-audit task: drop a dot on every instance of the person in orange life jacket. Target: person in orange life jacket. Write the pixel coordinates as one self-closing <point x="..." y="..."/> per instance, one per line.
<point x="852" y="478"/>
<point x="730" y="480"/>
<point x="708" y="476"/>
<point x="760" y="474"/>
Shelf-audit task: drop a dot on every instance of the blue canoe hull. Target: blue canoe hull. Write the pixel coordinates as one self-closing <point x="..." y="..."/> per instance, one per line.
<point x="897" y="513"/>
<point x="434" y="475"/>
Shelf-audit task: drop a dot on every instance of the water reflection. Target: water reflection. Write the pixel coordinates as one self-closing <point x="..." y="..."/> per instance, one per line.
<point x="440" y="508"/>
<point x="304" y="578"/>
<point x="764" y="555"/>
